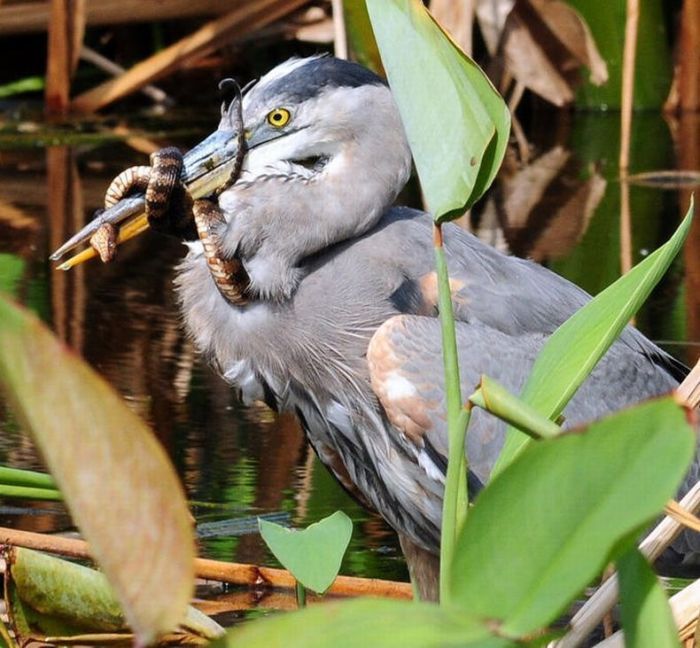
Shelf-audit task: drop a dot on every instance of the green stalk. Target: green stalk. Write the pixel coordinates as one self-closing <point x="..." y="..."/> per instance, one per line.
<point x="454" y="507"/>
<point x="29" y="493"/>
<point x="495" y="398"/>
<point x="19" y="477"/>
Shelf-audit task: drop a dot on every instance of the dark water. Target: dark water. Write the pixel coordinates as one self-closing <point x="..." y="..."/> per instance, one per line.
<point x="563" y="209"/>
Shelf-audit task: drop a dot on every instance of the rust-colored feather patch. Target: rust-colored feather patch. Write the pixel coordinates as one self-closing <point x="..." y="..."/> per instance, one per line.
<point x="403" y="402"/>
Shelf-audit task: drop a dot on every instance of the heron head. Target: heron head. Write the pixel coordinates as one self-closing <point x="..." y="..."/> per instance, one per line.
<point x="325" y="155"/>
<point x="298" y="117"/>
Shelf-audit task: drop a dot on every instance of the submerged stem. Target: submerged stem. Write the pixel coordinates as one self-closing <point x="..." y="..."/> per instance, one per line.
<point x="454" y="509"/>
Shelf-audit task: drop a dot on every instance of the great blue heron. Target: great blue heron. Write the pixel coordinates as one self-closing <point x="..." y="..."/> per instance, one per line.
<point x="337" y="320"/>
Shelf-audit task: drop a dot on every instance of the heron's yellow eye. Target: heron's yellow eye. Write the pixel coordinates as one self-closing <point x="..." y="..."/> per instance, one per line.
<point x="278" y="117"/>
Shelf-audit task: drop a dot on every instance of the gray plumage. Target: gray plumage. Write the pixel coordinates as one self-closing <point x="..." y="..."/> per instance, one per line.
<point x="342" y="329"/>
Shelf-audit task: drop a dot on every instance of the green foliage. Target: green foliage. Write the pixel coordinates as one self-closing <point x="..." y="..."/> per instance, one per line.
<point x="570" y="354"/>
<point x="313" y="555"/>
<point x="369" y="622"/>
<point x="456" y="122"/>
<point x="646" y="615"/>
<point x="59" y="597"/>
<point x="88" y="436"/>
<point x="21" y="86"/>
<point x="551" y="520"/>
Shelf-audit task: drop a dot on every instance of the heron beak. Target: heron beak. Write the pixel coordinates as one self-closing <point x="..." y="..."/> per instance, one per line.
<point x="207" y="168"/>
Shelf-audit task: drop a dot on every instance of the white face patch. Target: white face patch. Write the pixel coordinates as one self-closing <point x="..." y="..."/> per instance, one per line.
<point x="398" y="386"/>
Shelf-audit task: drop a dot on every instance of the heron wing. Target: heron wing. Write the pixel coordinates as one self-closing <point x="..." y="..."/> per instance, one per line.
<point x="511" y="295"/>
<point x="406" y="372"/>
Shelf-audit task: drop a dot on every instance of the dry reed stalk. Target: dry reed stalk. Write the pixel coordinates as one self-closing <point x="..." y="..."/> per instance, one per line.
<point x="245" y="18"/>
<point x="110" y="67"/>
<point x="66" y="31"/>
<point x="341" y="35"/>
<point x="232" y="573"/>
<point x="628" y="65"/>
<point x="34" y="17"/>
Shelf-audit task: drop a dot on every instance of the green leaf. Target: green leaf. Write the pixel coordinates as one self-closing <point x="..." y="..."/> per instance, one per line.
<point x="116" y="479"/>
<point x="79" y="596"/>
<point x="369" y="622"/>
<point x="314" y="554"/>
<point x="547" y="525"/>
<point x="456" y="122"/>
<point x="28" y="84"/>
<point x="646" y="615"/>
<point x="573" y="350"/>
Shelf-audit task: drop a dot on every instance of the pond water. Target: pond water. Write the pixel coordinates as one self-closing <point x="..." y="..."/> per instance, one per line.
<point x="563" y="209"/>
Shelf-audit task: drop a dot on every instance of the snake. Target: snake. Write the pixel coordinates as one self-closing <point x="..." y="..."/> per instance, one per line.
<point x="161" y="182"/>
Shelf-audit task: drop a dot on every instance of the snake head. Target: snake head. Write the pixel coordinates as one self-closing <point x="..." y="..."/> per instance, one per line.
<point x="208" y="169"/>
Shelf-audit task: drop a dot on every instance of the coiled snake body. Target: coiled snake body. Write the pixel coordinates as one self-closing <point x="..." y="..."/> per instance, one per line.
<point x="169" y="208"/>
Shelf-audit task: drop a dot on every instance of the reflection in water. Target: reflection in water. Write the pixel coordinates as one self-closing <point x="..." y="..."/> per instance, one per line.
<point x="562" y="209"/>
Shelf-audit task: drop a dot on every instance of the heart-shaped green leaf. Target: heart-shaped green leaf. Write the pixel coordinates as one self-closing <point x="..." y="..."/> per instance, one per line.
<point x="314" y="554"/>
<point x="547" y="525"/>
<point x="116" y="479"/>
<point x="456" y="122"/>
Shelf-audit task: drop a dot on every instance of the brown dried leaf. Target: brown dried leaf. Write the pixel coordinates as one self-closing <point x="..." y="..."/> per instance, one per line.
<point x="528" y="62"/>
<point x="547" y="206"/>
<point x="573" y="32"/>
<point x="544" y="43"/>
<point x="113" y="473"/>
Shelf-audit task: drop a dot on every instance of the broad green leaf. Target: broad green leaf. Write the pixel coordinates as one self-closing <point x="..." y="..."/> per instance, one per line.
<point x="314" y="554"/>
<point x="368" y="622"/>
<point x="79" y="596"/>
<point x="456" y="122"/>
<point x="573" y="350"/>
<point x="546" y="526"/>
<point x="116" y="479"/>
<point x="646" y="615"/>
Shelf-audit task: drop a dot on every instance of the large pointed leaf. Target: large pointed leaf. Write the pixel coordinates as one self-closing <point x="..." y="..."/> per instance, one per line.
<point x="570" y="354"/>
<point x="646" y="614"/>
<point x="313" y="554"/>
<point x="546" y="526"/>
<point x="456" y="122"/>
<point x="365" y="623"/>
<point x="116" y="479"/>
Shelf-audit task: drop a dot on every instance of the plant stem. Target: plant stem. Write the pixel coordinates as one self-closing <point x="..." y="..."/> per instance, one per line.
<point x="29" y="493"/>
<point x="301" y="595"/>
<point x="454" y="508"/>
<point x="20" y="477"/>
